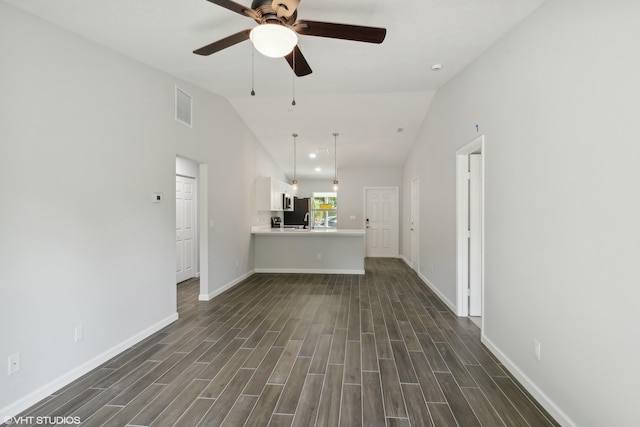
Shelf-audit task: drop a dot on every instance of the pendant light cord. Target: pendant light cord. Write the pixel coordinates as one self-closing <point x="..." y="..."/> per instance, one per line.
<point x="335" y="156"/>
<point x="295" y="135"/>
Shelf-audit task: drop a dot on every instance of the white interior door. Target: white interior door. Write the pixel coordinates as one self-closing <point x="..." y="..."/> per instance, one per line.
<point x="475" y="235"/>
<point x="382" y="222"/>
<point x="469" y="228"/>
<point x="185" y="228"/>
<point x="415" y="224"/>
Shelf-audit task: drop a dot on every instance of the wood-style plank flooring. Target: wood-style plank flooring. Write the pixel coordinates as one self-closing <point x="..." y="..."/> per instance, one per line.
<point x="378" y="349"/>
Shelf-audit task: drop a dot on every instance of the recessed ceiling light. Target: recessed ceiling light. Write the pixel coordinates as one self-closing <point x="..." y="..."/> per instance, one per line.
<point x="318" y="169"/>
<point x="312" y="155"/>
<point x="436" y="67"/>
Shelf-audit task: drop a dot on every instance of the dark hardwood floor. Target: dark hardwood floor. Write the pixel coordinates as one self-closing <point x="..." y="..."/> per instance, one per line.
<point x="301" y="350"/>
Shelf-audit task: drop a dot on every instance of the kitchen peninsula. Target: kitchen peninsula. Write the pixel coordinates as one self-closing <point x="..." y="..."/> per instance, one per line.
<point x="319" y="250"/>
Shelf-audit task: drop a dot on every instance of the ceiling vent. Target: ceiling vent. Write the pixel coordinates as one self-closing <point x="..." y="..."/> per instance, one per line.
<point x="183" y="107"/>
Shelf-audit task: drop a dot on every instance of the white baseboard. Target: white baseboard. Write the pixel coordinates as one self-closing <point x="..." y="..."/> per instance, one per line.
<point x="406" y="261"/>
<point x="36" y="396"/>
<point x="308" y="270"/>
<point x="436" y="291"/>
<point x="529" y="385"/>
<point x="210" y="296"/>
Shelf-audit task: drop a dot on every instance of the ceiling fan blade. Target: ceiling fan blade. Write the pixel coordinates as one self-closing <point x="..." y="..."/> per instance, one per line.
<point x="298" y="63"/>
<point x="340" y="31"/>
<point x="223" y="43"/>
<point x="234" y="7"/>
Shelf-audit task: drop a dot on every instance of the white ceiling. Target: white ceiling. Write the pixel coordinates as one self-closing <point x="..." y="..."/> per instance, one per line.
<point x="365" y="92"/>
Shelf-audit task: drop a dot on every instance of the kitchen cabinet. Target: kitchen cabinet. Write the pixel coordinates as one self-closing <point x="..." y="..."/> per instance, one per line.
<point x="326" y="251"/>
<point x="269" y="192"/>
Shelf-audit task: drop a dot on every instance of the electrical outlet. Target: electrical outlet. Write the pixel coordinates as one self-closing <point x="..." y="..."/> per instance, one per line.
<point x="14" y="363"/>
<point x="319" y="257"/>
<point x="237" y="265"/>
<point x="78" y="334"/>
<point x="536" y="349"/>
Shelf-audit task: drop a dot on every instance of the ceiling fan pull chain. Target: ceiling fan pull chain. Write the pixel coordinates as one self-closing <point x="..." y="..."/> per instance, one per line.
<point x="293" y="75"/>
<point x="253" y="92"/>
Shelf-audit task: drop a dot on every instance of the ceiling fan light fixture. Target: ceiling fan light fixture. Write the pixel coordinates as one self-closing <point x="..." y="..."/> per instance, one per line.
<point x="273" y="40"/>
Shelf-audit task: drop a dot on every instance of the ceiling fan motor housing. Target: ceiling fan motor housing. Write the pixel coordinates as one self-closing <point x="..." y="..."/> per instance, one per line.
<point x="273" y="11"/>
<point x="285" y="7"/>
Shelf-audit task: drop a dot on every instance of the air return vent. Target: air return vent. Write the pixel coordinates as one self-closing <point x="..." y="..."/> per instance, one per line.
<point x="183" y="107"/>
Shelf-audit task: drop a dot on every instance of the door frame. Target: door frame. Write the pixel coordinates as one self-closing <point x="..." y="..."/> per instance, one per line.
<point x="202" y="181"/>
<point x="416" y="267"/>
<point x="396" y="219"/>
<point x="477" y="145"/>
<point x="203" y="229"/>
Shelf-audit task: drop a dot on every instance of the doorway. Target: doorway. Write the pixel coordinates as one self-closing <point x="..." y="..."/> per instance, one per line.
<point x="199" y="173"/>
<point x="381" y="221"/>
<point x="415" y="224"/>
<point x="470" y="229"/>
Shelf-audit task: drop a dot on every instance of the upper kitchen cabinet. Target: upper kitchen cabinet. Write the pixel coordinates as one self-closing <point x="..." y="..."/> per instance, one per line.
<point x="273" y="195"/>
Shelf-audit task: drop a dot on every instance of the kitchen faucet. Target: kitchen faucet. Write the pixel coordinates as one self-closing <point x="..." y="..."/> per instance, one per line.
<point x="306" y="220"/>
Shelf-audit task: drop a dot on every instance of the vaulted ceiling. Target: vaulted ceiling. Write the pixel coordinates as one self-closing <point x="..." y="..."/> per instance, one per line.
<point x="375" y="96"/>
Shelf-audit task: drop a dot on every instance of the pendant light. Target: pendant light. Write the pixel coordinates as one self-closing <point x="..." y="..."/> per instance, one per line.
<point x="335" y="161"/>
<point x="294" y="183"/>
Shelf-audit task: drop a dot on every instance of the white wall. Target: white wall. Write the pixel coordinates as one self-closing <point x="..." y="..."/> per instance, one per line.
<point x="557" y="100"/>
<point x="351" y="196"/>
<point x="86" y="137"/>
<point x="234" y="159"/>
<point x="187" y="167"/>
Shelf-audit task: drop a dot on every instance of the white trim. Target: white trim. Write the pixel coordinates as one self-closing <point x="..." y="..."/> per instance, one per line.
<point x="535" y="391"/>
<point x="439" y="294"/>
<point x="231" y="284"/>
<point x="66" y="379"/>
<point x="406" y="261"/>
<point x="203" y="226"/>
<point x="309" y="270"/>
<point x="386" y="256"/>
<point x="462" y="306"/>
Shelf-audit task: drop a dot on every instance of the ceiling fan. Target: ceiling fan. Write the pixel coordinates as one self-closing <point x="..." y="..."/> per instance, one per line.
<point x="275" y="35"/>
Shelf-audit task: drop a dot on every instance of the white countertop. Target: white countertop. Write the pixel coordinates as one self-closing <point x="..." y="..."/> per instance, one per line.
<point x="307" y="232"/>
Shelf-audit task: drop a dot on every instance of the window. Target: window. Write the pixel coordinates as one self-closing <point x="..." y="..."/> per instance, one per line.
<point x="324" y="210"/>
